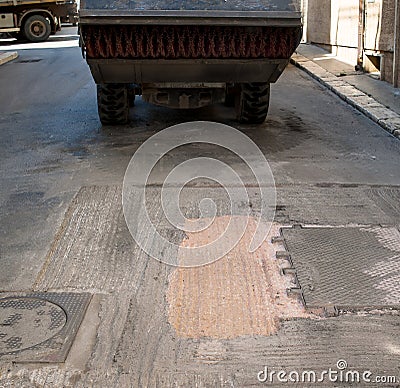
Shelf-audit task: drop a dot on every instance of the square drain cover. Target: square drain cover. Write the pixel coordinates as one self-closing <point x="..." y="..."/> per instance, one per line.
<point x="40" y="327"/>
<point x="346" y="266"/>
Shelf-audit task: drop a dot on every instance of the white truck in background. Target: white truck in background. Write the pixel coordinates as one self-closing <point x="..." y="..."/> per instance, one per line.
<point x="35" y="20"/>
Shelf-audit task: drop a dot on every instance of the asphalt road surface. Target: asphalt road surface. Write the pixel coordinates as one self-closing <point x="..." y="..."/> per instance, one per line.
<point x="62" y="230"/>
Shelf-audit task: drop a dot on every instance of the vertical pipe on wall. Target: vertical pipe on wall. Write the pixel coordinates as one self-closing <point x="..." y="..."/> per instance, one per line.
<point x="304" y="10"/>
<point x="396" y="53"/>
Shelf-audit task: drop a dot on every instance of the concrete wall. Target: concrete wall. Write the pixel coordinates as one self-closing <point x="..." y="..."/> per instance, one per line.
<point x="319" y="21"/>
<point x="379" y="22"/>
<point x="334" y="24"/>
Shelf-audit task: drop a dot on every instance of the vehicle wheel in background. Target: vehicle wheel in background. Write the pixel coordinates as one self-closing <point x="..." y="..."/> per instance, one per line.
<point x="252" y="102"/>
<point x="37" y="28"/>
<point x="113" y="103"/>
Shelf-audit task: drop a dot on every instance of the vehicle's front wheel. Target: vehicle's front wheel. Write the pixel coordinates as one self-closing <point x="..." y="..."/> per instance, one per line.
<point x="37" y="28"/>
<point x="113" y="103"/>
<point x="252" y="102"/>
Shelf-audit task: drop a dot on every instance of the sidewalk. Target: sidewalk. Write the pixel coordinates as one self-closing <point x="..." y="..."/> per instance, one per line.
<point x="7" y="57"/>
<point x="376" y="99"/>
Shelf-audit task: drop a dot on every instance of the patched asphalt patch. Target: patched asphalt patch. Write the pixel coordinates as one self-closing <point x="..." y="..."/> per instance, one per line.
<point x="243" y="293"/>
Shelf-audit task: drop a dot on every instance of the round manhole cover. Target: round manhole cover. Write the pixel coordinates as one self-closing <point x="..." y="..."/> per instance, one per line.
<point x="25" y="322"/>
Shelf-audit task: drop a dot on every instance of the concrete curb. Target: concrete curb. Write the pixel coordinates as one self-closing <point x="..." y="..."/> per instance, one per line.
<point x="380" y="114"/>
<point x="7" y="57"/>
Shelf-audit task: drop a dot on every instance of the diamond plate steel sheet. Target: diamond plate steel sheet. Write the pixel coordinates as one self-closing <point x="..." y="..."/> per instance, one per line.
<point x="354" y="267"/>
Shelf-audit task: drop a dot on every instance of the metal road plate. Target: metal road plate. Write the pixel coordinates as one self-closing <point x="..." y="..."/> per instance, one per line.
<point x="40" y="327"/>
<point x="346" y="266"/>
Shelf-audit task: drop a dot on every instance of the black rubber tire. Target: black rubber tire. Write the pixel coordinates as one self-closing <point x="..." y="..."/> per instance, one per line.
<point x="252" y="102"/>
<point x="37" y="28"/>
<point x="113" y="103"/>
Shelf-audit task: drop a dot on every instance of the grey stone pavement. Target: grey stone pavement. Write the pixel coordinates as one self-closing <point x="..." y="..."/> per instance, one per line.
<point x="63" y="232"/>
<point x="375" y="98"/>
<point x="7" y="57"/>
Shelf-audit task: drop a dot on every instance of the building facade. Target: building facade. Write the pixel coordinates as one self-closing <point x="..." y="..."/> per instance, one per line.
<point x="364" y="33"/>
